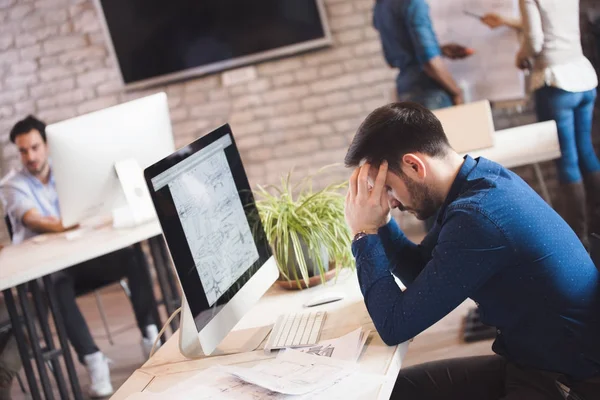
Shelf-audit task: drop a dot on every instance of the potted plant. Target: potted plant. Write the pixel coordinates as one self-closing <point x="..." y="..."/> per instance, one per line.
<point x="306" y="229"/>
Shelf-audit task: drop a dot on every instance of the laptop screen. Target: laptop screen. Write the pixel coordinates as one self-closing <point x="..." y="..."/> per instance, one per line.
<point x="210" y="222"/>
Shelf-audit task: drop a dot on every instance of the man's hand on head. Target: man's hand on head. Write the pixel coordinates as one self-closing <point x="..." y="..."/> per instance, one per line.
<point x="367" y="208"/>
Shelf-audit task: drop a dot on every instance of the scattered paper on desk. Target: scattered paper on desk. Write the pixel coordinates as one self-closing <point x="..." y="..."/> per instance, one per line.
<point x="294" y="372"/>
<point x="347" y="348"/>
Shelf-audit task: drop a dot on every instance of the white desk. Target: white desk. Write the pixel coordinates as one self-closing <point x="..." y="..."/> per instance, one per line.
<point x="168" y="367"/>
<point x="31" y="260"/>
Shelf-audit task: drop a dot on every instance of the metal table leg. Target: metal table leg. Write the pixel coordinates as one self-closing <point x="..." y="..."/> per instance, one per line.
<point x="34" y="341"/>
<point x="540" y="177"/>
<point x="21" y="339"/>
<point x="166" y="262"/>
<point x="54" y="353"/>
<point x="62" y="336"/>
<point x="163" y="275"/>
<point x="140" y="255"/>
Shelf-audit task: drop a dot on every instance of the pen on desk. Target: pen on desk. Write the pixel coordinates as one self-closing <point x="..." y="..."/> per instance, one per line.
<point x="565" y="391"/>
<point x="472" y="14"/>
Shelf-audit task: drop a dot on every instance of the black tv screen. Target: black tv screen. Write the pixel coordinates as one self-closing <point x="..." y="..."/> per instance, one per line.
<point x="159" y="40"/>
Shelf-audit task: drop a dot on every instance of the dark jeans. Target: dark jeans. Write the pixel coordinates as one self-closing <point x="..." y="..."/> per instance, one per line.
<point x="485" y="378"/>
<point x="573" y="113"/>
<point x="95" y="274"/>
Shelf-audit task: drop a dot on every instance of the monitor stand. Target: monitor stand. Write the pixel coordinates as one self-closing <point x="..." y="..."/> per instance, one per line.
<point x="237" y="341"/>
<point x="139" y="208"/>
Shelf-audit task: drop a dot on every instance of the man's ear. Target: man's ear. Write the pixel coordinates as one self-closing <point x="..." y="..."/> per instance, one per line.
<point x="412" y="164"/>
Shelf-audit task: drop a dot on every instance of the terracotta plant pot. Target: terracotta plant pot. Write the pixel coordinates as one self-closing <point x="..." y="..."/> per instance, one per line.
<point x="312" y="281"/>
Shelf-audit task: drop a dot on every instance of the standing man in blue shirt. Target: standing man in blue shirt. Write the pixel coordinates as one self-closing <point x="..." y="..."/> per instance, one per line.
<point x="494" y="241"/>
<point x="32" y="205"/>
<point x="409" y="44"/>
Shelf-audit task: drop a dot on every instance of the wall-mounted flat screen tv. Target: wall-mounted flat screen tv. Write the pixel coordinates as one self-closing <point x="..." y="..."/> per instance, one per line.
<point x="155" y="41"/>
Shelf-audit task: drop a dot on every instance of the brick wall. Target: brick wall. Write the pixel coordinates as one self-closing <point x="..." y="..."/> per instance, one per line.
<point x="299" y="111"/>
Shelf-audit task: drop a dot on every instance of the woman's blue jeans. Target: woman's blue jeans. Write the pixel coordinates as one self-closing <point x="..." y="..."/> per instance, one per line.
<point x="573" y="113"/>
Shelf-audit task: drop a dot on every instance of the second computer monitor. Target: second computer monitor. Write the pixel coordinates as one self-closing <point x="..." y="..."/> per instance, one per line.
<point x="84" y="151"/>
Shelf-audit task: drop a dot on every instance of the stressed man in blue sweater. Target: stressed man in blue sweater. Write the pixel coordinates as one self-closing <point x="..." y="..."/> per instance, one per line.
<point x="494" y="241"/>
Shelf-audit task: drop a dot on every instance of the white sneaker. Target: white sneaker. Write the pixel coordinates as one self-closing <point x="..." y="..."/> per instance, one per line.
<point x="148" y="341"/>
<point x="97" y="366"/>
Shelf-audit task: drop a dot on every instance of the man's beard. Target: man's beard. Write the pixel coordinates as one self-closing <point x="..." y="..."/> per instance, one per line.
<point x="38" y="171"/>
<point x="424" y="204"/>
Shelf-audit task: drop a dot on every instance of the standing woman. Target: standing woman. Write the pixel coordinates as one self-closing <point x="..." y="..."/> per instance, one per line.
<point x="565" y="83"/>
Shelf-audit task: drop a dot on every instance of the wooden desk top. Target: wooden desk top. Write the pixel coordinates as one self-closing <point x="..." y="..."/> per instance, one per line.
<point x="34" y="259"/>
<point x="168" y="367"/>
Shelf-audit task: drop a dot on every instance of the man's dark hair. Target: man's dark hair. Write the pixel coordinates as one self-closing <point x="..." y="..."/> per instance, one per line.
<point x="396" y="129"/>
<point x="26" y="125"/>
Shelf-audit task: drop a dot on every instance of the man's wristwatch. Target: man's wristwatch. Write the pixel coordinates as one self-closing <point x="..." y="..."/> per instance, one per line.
<point x="359" y="236"/>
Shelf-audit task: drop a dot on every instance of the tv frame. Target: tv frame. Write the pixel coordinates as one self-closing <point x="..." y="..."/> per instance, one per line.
<point x="220" y="66"/>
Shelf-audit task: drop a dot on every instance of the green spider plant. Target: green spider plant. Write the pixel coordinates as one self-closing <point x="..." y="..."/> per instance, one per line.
<point x="296" y="216"/>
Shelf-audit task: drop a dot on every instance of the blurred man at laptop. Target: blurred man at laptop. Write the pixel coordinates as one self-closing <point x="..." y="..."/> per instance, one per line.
<point x="32" y="205"/>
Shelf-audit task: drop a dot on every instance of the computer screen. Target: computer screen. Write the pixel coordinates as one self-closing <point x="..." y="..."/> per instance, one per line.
<point x="204" y="203"/>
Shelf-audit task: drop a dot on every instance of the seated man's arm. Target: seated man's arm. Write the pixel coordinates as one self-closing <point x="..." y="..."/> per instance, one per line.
<point x="22" y="209"/>
<point x="406" y="259"/>
<point x="428" y="50"/>
<point x="470" y="250"/>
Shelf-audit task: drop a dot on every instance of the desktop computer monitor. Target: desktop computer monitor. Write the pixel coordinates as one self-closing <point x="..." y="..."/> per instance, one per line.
<point x="85" y="150"/>
<point x="216" y="240"/>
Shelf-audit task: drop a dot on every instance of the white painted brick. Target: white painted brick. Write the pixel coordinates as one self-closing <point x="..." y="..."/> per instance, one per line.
<point x="306" y="74"/>
<point x="193" y="99"/>
<point x="274" y="138"/>
<point x="23" y="68"/>
<point x="73" y="97"/>
<point x="51" y="4"/>
<point x="12" y="96"/>
<point x="63" y="44"/>
<point x="6" y="3"/>
<point x="336" y="98"/>
<point x="349" y="36"/>
<point x="331" y="70"/>
<point x="313" y="102"/>
<point x="9" y="57"/>
<point x="328" y="56"/>
<point x="238" y="90"/>
<point x="378" y="75"/>
<point x="93" y="78"/>
<point x="241" y="117"/>
<point x="277" y="67"/>
<point x="372" y="104"/>
<point x="86" y="22"/>
<point x="52" y="88"/>
<point x="298" y="147"/>
<point x="341" y="82"/>
<point x="259" y="86"/>
<point x="367" y="48"/>
<point x="91" y="66"/>
<point x="53" y="73"/>
<point x="292" y="121"/>
<point x="334" y="142"/>
<point x="25" y="39"/>
<point x="264" y="112"/>
<point x="201" y="84"/>
<point x="340" y="9"/>
<point x="31" y="22"/>
<point x="6" y="111"/>
<point x="97" y="104"/>
<point x="347" y="125"/>
<point x="337" y="112"/>
<point x="320" y="129"/>
<point x="260" y="154"/>
<point x="370" y="33"/>
<point x="192" y="128"/>
<point x="20" y="81"/>
<point x="288" y="93"/>
<point x="78" y="8"/>
<point x="25" y="108"/>
<point x="56" y="17"/>
<point x="363" y="5"/>
<point x="51" y="115"/>
<point x="218" y="94"/>
<point x="248" y="142"/>
<point x="248" y="129"/>
<point x="283" y="79"/>
<point x="112" y="86"/>
<point x="6" y="42"/>
<point x="357" y="64"/>
<point x="287" y="108"/>
<point x="97" y="38"/>
<point x="244" y="102"/>
<point x="210" y="109"/>
<point x="31" y="52"/>
<point x="346" y="21"/>
<point x="178" y="115"/>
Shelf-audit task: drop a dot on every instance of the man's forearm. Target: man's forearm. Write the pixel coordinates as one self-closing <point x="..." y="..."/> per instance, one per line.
<point x="436" y="69"/>
<point x="44" y="225"/>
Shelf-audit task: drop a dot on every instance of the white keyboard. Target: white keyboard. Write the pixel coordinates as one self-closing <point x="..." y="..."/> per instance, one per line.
<point x="296" y="330"/>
